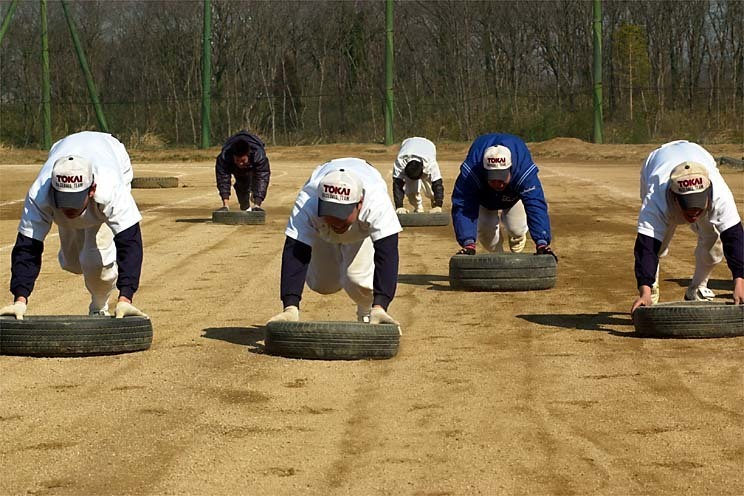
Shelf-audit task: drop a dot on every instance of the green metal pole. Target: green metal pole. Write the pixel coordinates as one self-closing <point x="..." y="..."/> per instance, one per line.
<point x="389" y="72"/>
<point x="86" y="71"/>
<point x="206" y="105"/>
<point x="8" y="17"/>
<point x="598" y="118"/>
<point x="46" y="89"/>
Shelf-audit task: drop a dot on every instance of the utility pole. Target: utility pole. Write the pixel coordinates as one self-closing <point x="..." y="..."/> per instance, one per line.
<point x="206" y="105"/>
<point x="389" y="72"/>
<point x="46" y="88"/>
<point x="598" y="118"/>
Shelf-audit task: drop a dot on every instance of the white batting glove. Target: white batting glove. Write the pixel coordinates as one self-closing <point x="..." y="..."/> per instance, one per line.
<point x="124" y="309"/>
<point x="436" y="210"/>
<point x="18" y="309"/>
<point x="289" y="314"/>
<point x="379" y="316"/>
<point x="401" y="210"/>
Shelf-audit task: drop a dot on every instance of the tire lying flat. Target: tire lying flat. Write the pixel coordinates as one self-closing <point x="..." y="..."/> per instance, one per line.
<point x="502" y="272"/>
<point x="332" y="340"/>
<point x="690" y="319"/>
<point x="424" y="219"/>
<point x="71" y="335"/>
<point x="154" y="182"/>
<point x="239" y="217"/>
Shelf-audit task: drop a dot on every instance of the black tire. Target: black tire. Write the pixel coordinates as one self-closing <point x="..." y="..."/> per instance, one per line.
<point x="502" y="272"/>
<point x="731" y="161"/>
<point x="690" y="319"/>
<point x="424" y="219"/>
<point x="239" y="217"/>
<point x="332" y="340"/>
<point x="70" y="335"/>
<point x="154" y="182"/>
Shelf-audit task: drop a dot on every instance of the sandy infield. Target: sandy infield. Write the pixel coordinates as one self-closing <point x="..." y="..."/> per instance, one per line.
<point x="545" y="392"/>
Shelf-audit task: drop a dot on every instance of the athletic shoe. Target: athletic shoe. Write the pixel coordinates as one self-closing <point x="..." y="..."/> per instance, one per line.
<point x="363" y="314"/>
<point x="517" y="243"/>
<point x="700" y="293"/>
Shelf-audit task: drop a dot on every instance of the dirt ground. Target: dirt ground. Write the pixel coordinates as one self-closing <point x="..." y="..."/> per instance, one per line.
<point x="545" y="392"/>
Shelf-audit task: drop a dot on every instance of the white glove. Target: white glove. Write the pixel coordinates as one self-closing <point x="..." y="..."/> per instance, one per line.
<point x="289" y="314"/>
<point x="401" y="210"/>
<point x="18" y="309"/>
<point x="419" y="210"/>
<point x="380" y="316"/>
<point x="436" y="210"/>
<point x="124" y="309"/>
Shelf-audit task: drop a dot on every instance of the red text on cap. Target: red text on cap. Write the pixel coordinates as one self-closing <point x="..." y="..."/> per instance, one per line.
<point x="69" y="179"/>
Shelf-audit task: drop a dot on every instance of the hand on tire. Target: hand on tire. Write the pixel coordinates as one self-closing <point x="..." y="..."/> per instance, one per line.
<point x="256" y="208"/>
<point x="18" y="309"/>
<point x="546" y="250"/>
<point x="641" y="301"/>
<point x="289" y="314"/>
<point x="436" y="210"/>
<point x="124" y="309"/>
<point x="401" y="210"/>
<point x="467" y="250"/>
<point x="378" y="315"/>
<point x="223" y="209"/>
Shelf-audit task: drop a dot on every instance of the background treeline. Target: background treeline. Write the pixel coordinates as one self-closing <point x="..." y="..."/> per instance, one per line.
<point x="300" y="72"/>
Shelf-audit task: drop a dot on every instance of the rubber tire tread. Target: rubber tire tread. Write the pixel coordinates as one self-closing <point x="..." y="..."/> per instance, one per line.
<point x="68" y="335"/>
<point x="689" y="319"/>
<point x="239" y="217"/>
<point x="502" y="272"/>
<point x="424" y="219"/>
<point x="154" y="182"/>
<point x="332" y="340"/>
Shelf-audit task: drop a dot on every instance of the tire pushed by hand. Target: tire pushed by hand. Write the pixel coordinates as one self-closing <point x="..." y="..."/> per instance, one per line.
<point x="124" y="309"/>
<point x="436" y="210"/>
<point x="467" y="250"/>
<point x="401" y="210"/>
<point x="379" y="316"/>
<point x="18" y="309"/>
<point x="290" y="314"/>
<point x="546" y="250"/>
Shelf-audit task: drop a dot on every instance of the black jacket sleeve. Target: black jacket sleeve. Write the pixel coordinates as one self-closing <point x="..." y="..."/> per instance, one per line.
<point x="646" y="259"/>
<point x="398" y="194"/>
<point x="223" y="176"/>
<point x="386" y="270"/>
<point x="438" y="188"/>
<point x="733" y="248"/>
<point x="261" y="174"/>
<point x="295" y="260"/>
<point x="129" y="259"/>
<point x="25" y="261"/>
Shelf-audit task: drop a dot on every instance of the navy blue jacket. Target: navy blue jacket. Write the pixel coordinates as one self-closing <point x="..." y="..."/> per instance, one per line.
<point x="258" y="171"/>
<point x="472" y="191"/>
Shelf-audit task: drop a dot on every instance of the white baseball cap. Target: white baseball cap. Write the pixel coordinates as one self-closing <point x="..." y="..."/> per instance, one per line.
<point x="72" y="177"/>
<point x="689" y="181"/>
<point x="497" y="162"/>
<point x="339" y="192"/>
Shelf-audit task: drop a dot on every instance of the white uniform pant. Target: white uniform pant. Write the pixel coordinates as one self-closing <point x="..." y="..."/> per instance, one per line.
<point x="414" y="189"/>
<point x="91" y="252"/>
<point x="708" y="252"/>
<point x="350" y="267"/>
<point x="514" y="220"/>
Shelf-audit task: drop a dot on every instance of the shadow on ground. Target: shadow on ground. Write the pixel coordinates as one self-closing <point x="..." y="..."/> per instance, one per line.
<point x="714" y="284"/>
<point x="195" y="220"/>
<point x="425" y="280"/>
<point x="603" y="321"/>
<point x="246" y="336"/>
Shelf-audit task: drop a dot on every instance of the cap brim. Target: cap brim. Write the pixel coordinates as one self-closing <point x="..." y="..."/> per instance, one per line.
<point x="498" y="174"/>
<point x="337" y="210"/>
<point x="70" y="200"/>
<point x="693" y="200"/>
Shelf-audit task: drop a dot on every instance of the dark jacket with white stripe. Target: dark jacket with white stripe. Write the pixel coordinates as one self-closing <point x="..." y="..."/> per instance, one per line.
<point x="472" y="191"/>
